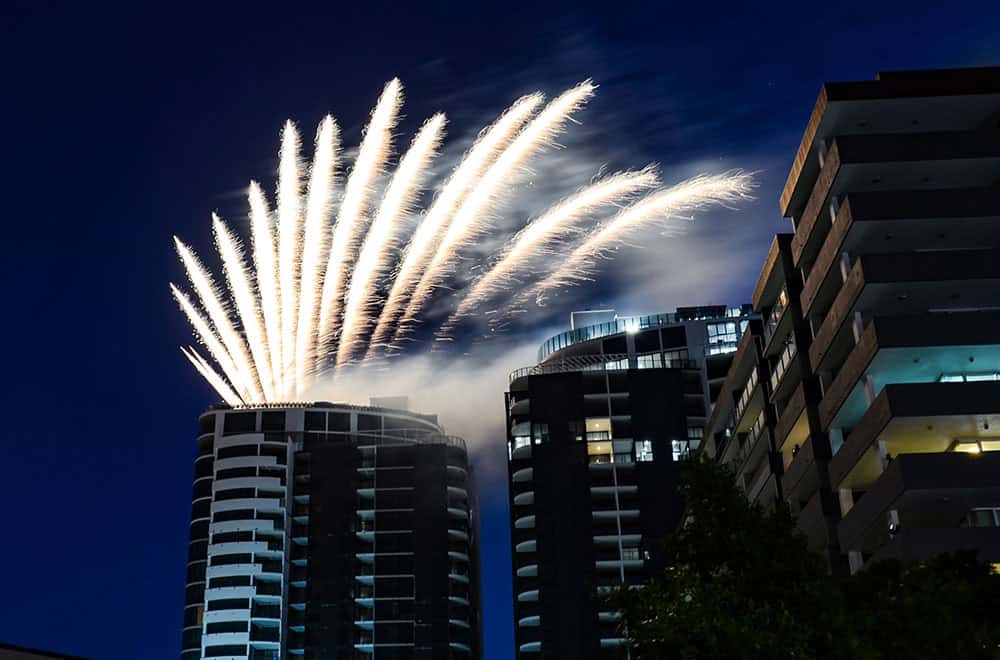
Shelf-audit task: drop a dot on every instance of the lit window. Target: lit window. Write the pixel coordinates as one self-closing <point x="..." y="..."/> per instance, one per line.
<point x="540" y="432"/>
<point x="599" y="452"/>
<point x="649" y="361"/>
<point x="679" y="449"/>
<point x="973" y="377"/>
<point x="630" y="554"/>
<point x="644" y="451"/>
<point x="623" y="457"/>
<point x="598" y="429"/>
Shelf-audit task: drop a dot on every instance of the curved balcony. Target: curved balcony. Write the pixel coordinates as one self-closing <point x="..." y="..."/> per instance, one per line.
<point x="531" y="570"/>
<point x="524" y="499"/>
<point x="531" y="647"/>
<point x="527" y="546"/>
<point x="530" y="596"/>
<point x="529" y="622"/>
<point x="525" y="522"/>
<point x="523" y="475"/>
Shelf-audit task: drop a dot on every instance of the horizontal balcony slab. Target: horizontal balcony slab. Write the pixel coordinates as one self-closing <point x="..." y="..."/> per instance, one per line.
<point x="862" y="163"/>
<point x="899" y="221"/>
<point x="926" y="490"/>
<point x="915" y="418"/>
<point x="945" y="99"/>
<point x="907" y="284"/>
<point x="922" y="544"/>
<point x="908" y="349"/>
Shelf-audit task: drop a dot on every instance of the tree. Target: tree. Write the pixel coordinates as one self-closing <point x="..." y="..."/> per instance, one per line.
<point x="742" y="583"/>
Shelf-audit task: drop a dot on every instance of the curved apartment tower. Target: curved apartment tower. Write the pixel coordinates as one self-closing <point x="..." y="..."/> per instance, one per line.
<point x="596" y="431"/>
<point x="330" y="531"/>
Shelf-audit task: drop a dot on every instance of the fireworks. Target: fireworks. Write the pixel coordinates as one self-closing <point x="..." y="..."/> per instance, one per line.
<point x="323" y="294"/>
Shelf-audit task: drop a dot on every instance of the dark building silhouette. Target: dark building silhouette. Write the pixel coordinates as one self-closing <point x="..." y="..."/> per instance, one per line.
<point x="595" y="433"/>
<point x="868" y="399"/>
<point x="11" y="652"/>
<point x="331" y="531"/>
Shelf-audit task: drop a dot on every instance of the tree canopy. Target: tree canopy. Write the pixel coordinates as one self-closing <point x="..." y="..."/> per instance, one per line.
<point x="742" y="583"/>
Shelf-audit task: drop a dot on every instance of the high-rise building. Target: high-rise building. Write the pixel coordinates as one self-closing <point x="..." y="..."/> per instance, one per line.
<point x="594" y="433"/>
<point x="330" y="531"/>
<point x="869" y="397"/>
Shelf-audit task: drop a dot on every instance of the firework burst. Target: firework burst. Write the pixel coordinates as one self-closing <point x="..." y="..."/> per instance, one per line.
<point x="322" y="294"/>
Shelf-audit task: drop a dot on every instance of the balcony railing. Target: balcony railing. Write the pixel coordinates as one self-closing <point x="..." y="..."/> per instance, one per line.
<point x="611" y="362"/>
<point x="782" y="364"/>
<point x="745" y="397"/>
<point x="774" y="317"/>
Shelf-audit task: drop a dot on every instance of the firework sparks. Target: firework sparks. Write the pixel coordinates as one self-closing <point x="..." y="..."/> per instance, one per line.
<point x="266" y="267"/>
<point x="399" y="196"/>
<point x="312" y="295"/>
<point x="314" y="244"/>
<point x="684" y="198"/>
<point x="246" y="303"/>
<point x="558" y="222"/>
<point x="473" y="216"/>
<point x="419" y="250"/>
<point x="371" y="161"/>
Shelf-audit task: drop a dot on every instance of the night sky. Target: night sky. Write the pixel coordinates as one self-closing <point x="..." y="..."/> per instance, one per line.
<point x="128" y="123"/>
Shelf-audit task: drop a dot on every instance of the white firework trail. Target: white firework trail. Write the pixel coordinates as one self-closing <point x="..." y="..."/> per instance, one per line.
<point x="473" y="216"/>
<point x="231" y="339"/>
<point x="311" y="296"/>
<point x="213" y="378"/>
<point x="368" y="166"/>
<point x="210" y="341"/>
<point x="314" y="246"/>
<point x="419" y="250"/>
<point x="684" y="198"/>
<point x="246" y="302"/>
<point x="289" y="242"/>
<point x="266" y="268"/>
<point x="559" y="222"/>
<point x="396" y="203"/>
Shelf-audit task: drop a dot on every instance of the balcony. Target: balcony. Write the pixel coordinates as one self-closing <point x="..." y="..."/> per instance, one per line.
<point x="962" y="100"/>
<point x="750" y="394"/>
<point x="910" y="418"/>
<point x="906" y="284"/>
<point x="927" y="491"/>
<point x="783" y="365"/>
<point x="801" y="479"/>
<point x="898" y="221"/>
<point x="914" y="349"/>
<point x="773" y="324"/>
<point x="862" y="163"/>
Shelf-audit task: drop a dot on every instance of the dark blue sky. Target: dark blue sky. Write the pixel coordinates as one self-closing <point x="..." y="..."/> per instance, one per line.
<point x="128" y="123"/>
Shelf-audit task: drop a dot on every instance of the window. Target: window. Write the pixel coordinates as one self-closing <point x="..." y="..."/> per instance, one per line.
<point x="649" y="361"/>
<point x="237" y="451"/>
<point x="644" y="451"/>
<point x="599" y="452"/>
<point x="969" y="377"/>
<point x="577" y="430"/>
<point x="987" y="517"/>
<point x="722" y="338"/>
<point x="240" y="422"/>
<point x="623" y="457"/>
<point x="229" y="604"/>
<point x="675" y="358"/>
<point x="976" y="445"/>
<point x="598" y="429"/>
<point x="272" y="420"/>
<point x="630" y="554"/>
<point x="680" y="449"/>
<point x="226" y="626"/>
<point x="540" y="433"/>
